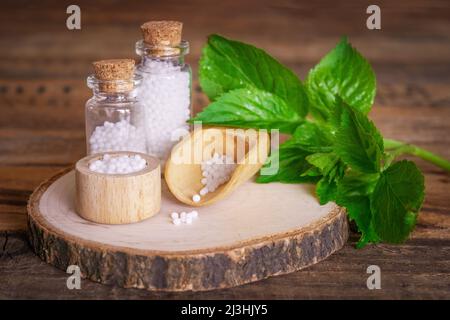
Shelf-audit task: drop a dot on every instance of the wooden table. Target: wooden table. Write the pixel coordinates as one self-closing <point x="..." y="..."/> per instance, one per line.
<point x="43" y="67"/>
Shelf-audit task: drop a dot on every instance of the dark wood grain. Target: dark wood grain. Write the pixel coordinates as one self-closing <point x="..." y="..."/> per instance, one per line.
<point x="407" y="273"/>
<point x="43" y="68"/>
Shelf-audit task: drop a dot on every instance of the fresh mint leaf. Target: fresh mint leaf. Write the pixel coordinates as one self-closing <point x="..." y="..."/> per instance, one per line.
<point x="250" y="108"/>
<point x="396" y="201"/>
<point x="291" y="163"/>
<point x="226" y="65"/>
<point x="339" y="147"/>
<point x="358" y="209"/>
<point x="353" y="193"/>
<point x="326" y="190"/>
<point x="335" y="119"/>
<point x="355" y="183"/>
<point x="325" y="162"/>
<point x="358" y="142"/>
<point x="342" y="72"/>
<point x="313" y="137"/>
<point x="331" y="169"/>
<point x="312" y="172"/>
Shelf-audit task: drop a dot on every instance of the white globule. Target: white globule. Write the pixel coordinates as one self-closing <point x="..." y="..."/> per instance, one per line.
<point x="165" y="94"/>
<point x="183" y="217"/>
<point x="118" y="164"/>
<point x="118" y="136"/>
<point x="216" y="171"/>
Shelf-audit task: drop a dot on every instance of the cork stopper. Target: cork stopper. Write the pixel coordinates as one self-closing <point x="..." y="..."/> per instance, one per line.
<point x="108" y="71"/>
<point x="163" y="36"/>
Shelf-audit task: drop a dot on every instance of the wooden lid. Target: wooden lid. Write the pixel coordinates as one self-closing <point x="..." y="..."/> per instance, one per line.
<point x="162" y="33"/>
<point x="114" y="69"/>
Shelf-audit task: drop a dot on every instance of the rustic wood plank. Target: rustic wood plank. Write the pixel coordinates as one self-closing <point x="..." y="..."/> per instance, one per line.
<point x="342" y="276"/>
<point x="16" y="186"/>
<point x="64" y="100"/>
<point x="28" y="141"/>
<point x="294" y="32"/>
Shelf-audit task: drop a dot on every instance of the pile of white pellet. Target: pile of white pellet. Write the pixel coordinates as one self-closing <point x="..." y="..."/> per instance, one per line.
<point x="118" y="136"/>
<point x="215" y="172"/>
<point x="118" y="164"/>
<point x="183" y="217"/>
<point x="165" y="94"/>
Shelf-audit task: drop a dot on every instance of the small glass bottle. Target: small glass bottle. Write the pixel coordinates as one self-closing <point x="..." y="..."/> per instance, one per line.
<point x="166" y="85"/>
<point x="114" y="117"/>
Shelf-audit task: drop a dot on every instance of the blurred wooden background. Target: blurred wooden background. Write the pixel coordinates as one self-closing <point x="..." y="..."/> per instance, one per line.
<point x="43" y="69"/>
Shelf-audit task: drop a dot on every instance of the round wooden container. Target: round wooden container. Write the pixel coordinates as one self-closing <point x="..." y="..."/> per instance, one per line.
<point x="117" y="198"/>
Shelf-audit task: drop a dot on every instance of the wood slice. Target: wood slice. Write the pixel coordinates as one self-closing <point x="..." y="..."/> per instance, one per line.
<point x="260" y="230"/>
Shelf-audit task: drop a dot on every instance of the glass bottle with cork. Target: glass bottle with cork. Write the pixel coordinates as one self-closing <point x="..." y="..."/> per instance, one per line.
<point x="166" y="85"/>
<point x="114" y="117"/>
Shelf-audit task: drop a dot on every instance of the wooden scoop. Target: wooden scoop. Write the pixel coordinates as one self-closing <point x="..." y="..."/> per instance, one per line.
<point x="248" y="147"/>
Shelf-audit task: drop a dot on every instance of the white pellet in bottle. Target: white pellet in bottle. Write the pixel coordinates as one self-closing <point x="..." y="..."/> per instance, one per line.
<point x="166" y="88"/>
<point x="114" y="117"/>
<point x="166" y="97"/>
<point x="119" y="136"/>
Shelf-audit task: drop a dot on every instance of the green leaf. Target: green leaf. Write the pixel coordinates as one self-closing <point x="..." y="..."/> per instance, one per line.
<point x="358" y="142"/>
<point x="332" y="171"/>
<point x="250" y="108"/>
<point x="358" y="209"/>
<point x="313" y="137"/>
<point x="335" y="119"/>
<point x="342" y="72"/>
<point x="326" y="190"/>
<point x="353" y="192"/>
<point x="355" y="183"/>
<point x="396" y="201"/>
<point x="312" y="172"/>
<point x="226" y="65"/>
<point x="325" y="162"/>
<point x="290" y="159"/>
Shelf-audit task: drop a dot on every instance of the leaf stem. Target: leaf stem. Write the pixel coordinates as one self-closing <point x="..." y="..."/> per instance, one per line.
<point x="397" y="148"/>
